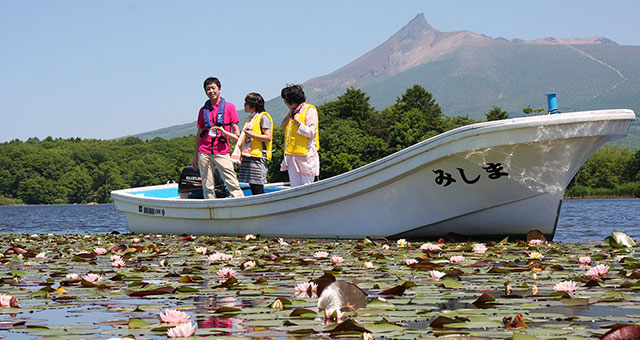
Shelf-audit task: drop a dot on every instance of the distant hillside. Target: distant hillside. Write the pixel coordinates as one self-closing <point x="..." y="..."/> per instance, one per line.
<point x="468" y="73"/>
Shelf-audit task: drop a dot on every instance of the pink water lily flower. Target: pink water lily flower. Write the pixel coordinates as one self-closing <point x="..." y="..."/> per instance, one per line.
<point x="430" y="247"/>
<point x="585" y="261"/>
<point x="566" y="286"/>
<point x="201" y="250"/>
<point x="7" y="301"/>
<point x="456" y="259"/>
<point x="536" y="242"/>
<point x="597" y="271"/>
<point x="409" y="262"/>
<point x="227" y="272"/>
<point x="41" y="255"/>
<point x="337" y="259"/>
<point x="479" y="248"/>
<point x="115" y="258"/>
<point x="118" y="263"/>
<point x="321" y="255"/>
<point x="92" y="277"/>
<point x="307" y="290"/>
<point x="217" y="256"/>
<point x="184" y="330"/>
<point x="436" y="275"/>
<point x="100" y="251"/>
<point x="173" y="316"/>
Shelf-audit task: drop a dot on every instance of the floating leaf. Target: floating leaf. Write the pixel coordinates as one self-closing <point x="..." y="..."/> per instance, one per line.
<point x="137" y="323"/>
<point x="158" y="291"/>
<point x="450" y="283"/>
<point x="348" y="326"/>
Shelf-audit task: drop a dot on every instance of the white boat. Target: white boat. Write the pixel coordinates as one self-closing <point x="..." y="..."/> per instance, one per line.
<point x="485" y="180"/>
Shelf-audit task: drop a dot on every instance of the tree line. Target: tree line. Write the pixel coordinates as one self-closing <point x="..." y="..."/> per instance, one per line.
<point x="352" y="134"/>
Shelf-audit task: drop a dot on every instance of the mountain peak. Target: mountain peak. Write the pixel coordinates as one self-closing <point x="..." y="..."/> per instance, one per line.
<point x="418" y="24"/>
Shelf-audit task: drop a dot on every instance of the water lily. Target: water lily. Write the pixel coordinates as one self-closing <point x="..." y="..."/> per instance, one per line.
<point x="479" y="248"/>
<point x="597" y="271"/>
<point x="368" y="265"/>
<point x="333" y="314"/>
<point x="72" y="277"/>
<point x="249" y="264"/>
<point x="227" y="272"/>
<point x="535" y="255"/>
<point x="385" y="247"/>
<point x="115" y="258"/>
<point x="321" y="254"/>
<point x="282" y="242"/>
<point x="100" y="251"/>
<point x="337" y="259"/>
<point x="173" y="316"/>
<point x="249" y="237"/>
<point x="41" y="255"/>
<point x="436" y="275"/>
<point x="217" y="256"/>
<point x="430" y="247"/>
<point x="456" y="259"/>
<point x="92" y="277"/>
<point x="135" y="240"/>
<point x="307" y="289"/>
<point x="409" y="262"/>
<point x="402" y="243"/>
<point x="536" y="242"/>
<point x="585" y="261"/>
<point x="7" y="301"/>
<point x="118" y="263"/>
<point x="566" y="286"/>
<point x="184" y="330"/>
<point x="366" y="336"/>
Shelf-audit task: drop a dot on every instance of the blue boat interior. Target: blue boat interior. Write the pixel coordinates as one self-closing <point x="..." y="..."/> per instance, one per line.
<point x="173" y="192"/>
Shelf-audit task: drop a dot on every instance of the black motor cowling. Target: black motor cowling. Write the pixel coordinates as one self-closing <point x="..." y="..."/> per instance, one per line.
<point x="190" y="184"/>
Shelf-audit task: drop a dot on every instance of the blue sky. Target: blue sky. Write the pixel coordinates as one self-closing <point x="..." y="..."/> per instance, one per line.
<point x="106" y="69"/>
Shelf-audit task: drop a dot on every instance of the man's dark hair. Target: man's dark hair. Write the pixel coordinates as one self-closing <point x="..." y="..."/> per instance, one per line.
<point x="293" y="94"/>
<point x="255" y="100"/>
<point x="211" y="80"/>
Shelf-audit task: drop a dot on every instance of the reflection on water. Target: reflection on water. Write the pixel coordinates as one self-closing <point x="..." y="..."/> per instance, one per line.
<point x="218" y="321"/>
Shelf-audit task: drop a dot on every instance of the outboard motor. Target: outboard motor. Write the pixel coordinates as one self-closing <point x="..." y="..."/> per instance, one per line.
<point x="190" y="184"/>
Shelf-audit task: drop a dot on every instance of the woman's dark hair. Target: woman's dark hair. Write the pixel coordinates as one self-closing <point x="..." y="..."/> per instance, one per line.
<point x="255" y="100"/>
<point x="211" y="80"/>
<point x="293" y="94"/>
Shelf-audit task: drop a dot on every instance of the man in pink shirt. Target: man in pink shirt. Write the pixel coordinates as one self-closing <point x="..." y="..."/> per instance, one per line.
<point x="217" y="122"/>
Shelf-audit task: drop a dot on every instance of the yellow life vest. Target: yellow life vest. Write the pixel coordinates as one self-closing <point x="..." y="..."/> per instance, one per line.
<point x="259" y="148"/>
<point x="295" y="143"/>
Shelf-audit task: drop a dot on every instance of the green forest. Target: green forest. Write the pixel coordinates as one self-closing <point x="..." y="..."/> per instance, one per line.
<point x="352" y="134"/>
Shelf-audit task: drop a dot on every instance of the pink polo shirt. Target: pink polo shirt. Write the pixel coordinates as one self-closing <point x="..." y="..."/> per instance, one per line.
<point x="204" y="143"/>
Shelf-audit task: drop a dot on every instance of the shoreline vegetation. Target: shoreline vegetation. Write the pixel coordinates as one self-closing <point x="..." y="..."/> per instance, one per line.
<point x="352" y="134"/>
<point x="166" y="286"/>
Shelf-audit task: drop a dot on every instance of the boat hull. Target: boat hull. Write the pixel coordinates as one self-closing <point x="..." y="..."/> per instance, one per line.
<point x="484" y="180"/>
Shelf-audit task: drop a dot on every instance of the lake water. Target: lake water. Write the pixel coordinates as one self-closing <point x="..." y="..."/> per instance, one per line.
<point x="580" y="219"/>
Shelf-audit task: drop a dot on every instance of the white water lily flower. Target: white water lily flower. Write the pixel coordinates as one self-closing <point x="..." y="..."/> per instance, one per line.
<point x="479" y="248"/>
